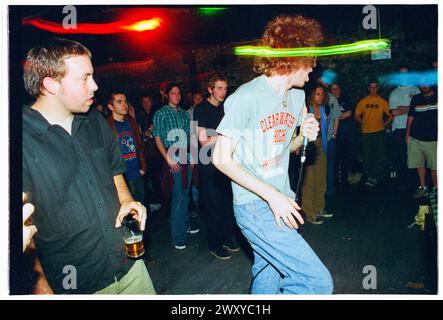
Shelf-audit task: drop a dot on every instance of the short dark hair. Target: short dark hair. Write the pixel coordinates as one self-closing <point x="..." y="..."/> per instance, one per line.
<point x="146" y="95"/>
<point x="217" y="76"/>
<point x="171" y="85"/>
<point x="47" y="59"/>
<point x="113" y="94"/>
<point x="403" y="66"/>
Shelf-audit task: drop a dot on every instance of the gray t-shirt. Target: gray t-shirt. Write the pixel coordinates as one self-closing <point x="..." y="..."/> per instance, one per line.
<point x="401" y="96"/>
<point x="335" y="113"/>
<point x="256" y="118"/>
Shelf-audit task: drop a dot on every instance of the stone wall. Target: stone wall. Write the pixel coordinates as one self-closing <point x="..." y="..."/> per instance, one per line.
<point x="146" y="75"/>
<point x="191" y="67"/>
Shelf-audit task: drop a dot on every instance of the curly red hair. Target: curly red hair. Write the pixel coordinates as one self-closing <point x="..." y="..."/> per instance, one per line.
<point x="288" y="31"/>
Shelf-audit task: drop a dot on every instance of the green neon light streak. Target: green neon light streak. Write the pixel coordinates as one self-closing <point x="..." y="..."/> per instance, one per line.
<point x="359" y="46"/>
<point x="210" y="11"/>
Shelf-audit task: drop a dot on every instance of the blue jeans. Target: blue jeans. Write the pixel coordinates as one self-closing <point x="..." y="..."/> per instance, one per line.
<point x="195" y="194"/>
<point x="331" y="165"/>
<point x="179" y="208"/>
<point x="283" y="261"/>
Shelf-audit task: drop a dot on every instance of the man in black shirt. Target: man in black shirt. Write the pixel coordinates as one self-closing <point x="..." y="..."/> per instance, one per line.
<point x="153" y="157"/>
<point x="421" y="137"/>
<point x="72" y="168"/>
<point x="346" y="139"/>
<point x="215" y="187"/>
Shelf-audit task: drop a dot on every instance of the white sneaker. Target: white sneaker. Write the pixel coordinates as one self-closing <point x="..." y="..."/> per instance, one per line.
<point x="371" y="182"/>
<point x="192" y="231"/>
<point x="316" y="220"/>
<point x="421" y="191"/>
<point x="325" y="214"/>
<point x="180" y="247"/>
<point x="157" y="206"/>
<point x="154" y="206"/>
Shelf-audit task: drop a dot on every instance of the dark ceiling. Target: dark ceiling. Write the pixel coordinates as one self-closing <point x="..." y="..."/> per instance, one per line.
<point x="185" y="28"/>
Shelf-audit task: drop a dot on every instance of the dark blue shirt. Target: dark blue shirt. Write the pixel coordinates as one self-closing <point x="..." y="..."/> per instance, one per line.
<point x="128" y="149"/>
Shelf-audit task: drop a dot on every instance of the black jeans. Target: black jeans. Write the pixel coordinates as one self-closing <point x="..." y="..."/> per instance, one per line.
<point x="405" y="176"/>
<point x="136" y="187"/>
<point x="216" y="195"/>
<point x="346" y="151"/>
<point x="153" y="179"/>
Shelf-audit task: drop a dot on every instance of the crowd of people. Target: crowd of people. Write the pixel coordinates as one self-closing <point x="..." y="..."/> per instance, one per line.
<point x="202" y="150"/>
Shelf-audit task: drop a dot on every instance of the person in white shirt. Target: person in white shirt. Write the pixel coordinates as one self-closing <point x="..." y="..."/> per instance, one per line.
<point x="399" y="102"/>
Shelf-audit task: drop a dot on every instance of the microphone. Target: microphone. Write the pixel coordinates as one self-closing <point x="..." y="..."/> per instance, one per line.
<point x="305" y="140"/>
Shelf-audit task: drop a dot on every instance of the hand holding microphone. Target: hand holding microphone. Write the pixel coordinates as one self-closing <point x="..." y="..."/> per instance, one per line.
<point x="309" y="131"/>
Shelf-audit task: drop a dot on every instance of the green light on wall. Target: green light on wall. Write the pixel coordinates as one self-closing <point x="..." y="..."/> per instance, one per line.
<point x="210" y="11"/>
<point x="359" y="46"/>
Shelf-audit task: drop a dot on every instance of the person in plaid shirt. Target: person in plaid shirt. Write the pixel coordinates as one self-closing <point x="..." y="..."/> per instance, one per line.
<point x="172" y="135"/>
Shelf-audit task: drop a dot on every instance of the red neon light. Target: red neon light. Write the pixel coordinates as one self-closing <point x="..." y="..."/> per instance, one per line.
<point x="144" y="25"/>
<point x="96" y="28"/>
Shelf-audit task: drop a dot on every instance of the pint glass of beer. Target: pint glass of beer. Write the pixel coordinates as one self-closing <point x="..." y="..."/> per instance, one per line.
<point x="133" y="237"/>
